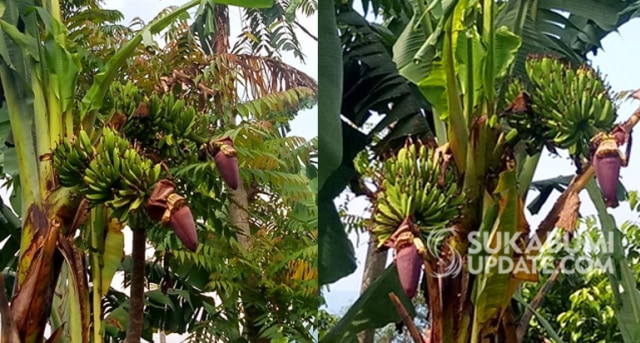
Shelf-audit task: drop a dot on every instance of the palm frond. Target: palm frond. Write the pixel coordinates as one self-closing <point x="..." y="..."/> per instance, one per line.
<point x="269" y="31"/>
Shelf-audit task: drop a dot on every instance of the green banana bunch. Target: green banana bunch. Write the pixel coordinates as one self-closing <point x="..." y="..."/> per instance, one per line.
<point x="71" y="157"/>
<point x="125" y="98"/>
<point x="103" y="174"/>
<point x="519" y="121"/>
<point x="119" y="176"/>
<point x="165" y="114"/>
<point x="574" y="103"/>
<point x="139" y="176"/>
<point x="415" y="185"/>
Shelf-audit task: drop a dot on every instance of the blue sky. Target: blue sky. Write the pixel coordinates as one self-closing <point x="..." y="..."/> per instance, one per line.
<point x="617" y="62"/>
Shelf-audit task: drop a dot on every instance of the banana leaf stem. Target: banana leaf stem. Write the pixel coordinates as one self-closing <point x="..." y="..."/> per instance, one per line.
<point x="610" y="232"/>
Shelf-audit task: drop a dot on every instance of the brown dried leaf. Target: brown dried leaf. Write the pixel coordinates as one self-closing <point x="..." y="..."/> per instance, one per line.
<point x="158" y="201"/>
<point x="569" y="213"/>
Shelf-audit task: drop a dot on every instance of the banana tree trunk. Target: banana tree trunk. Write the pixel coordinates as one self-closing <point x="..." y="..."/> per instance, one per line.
<point x="31" y="304"/>
<point x="136" y="311"/>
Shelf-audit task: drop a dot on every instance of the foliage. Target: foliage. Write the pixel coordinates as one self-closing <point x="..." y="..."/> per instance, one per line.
<point x="582" y="307"/>
<point x="167" y="111"/>
<point x="462" y="55"/>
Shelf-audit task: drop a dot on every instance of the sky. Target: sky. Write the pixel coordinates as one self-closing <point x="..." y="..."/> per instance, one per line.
<point x="305" y="125"/>
<point x="617" y="61"/>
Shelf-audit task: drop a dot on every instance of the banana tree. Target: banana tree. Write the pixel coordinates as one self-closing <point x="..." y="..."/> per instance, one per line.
<point x="70" y="162"/>
<point x="493" y="134"/>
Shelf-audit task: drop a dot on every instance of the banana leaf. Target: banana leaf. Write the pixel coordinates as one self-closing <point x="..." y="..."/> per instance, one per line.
<point x="372" y="310"/>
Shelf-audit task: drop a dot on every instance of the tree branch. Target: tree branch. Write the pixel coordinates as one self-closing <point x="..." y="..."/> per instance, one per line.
<point x="306" y="31"/>
<point x="523" y="325"/>
<point x="406" y="319"/>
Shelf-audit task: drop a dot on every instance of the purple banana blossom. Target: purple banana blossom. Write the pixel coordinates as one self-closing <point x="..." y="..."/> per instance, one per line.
<point x="607" y="162"/>
<point x="170" y="209"/>
<point x="227" y="162"/>
<point x="408" y="261"/>
<point x="182" y="223"/>
<point x="409" y="264"/>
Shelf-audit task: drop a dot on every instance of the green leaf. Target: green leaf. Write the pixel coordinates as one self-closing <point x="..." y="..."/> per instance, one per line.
<point x="546" y="187"/>
<point x="506" y="45"/>
<point x="372" y="310"/>
<point x="623" y="283"/>
<point x="408" y="44"/>
<point x="473" y="59"/>
<point x="116" y="321"/>
<point x="63" y="69"/>
<point x="23" y="40"/>
<point x="330" y="91"/>
<point x="113" y="251"/>
<point x="9" y="228"/>
<point x="491" y="288"/>
<point x="434" y="90"/>
<point x="336" y="256"/>
<point x="246" y="3"/>
<point x="542" y="320"/>
<point x="602" y="13"/>
<point x="158" y="298"/>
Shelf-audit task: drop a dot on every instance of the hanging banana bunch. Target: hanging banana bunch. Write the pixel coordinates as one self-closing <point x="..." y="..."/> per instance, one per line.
<point x="166" y="125"/>
<point x="71" y="158"/>
<point x="417" y="182"/>
<point x="419" y="194"/>
<point x="568" y="105"/>
<point x="125" y="178"/>
<point x="607" y="160"/>
<point x="118" y="176"/>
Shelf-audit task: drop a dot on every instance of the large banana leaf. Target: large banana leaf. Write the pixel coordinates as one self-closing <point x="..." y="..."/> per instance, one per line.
<point x="623" y="283"/>
<point x="330" y="92"/>
<point x="371" y="83"/>
<point x="371" y="79"/>
<point x="559" y="183"/>
<point x="372" y="310"/>
<point x="569" y="29"/>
